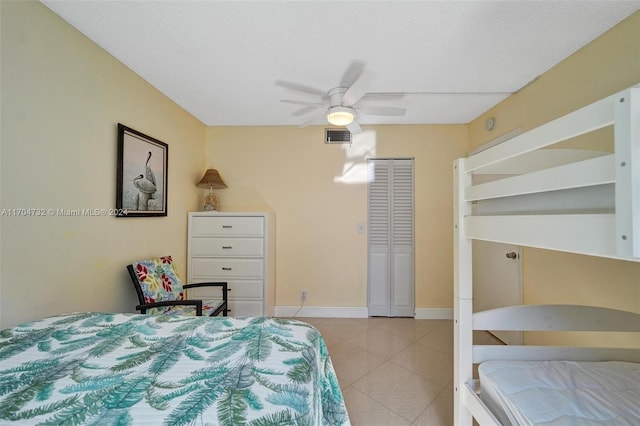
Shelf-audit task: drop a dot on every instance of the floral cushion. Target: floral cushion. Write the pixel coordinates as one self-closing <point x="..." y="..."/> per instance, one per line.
<point x="159" y="281"/>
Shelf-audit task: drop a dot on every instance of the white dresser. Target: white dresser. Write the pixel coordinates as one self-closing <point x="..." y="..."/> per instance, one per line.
<point x="238" y="248"/>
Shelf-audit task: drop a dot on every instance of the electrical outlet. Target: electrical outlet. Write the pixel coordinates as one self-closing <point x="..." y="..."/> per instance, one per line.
<point x="304" y="295"/>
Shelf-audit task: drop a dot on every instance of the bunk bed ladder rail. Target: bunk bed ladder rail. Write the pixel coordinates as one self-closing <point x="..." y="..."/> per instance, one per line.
<point x="462" y="299"/>
<point x="627" y="160"/>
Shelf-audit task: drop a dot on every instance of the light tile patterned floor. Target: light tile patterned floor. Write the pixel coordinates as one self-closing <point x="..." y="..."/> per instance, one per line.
<point x="392" y="371"/>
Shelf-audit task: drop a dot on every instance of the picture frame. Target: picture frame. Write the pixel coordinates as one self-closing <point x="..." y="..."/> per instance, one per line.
<point x="142" y="174"/>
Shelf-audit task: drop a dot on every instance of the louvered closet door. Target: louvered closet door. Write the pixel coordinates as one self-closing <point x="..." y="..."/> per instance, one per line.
<point x="391" y="247"/>
<point x="378" y="273"/>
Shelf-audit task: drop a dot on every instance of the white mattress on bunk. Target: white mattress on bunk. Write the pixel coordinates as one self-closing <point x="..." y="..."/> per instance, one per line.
<point x="562" y="392"/>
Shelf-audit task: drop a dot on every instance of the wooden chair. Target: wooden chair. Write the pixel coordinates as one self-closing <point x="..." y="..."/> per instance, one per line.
<point x="160" y="290"/>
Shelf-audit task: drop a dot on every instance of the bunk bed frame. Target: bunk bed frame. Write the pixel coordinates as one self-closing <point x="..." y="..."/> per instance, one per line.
<point x="587" y="203"/>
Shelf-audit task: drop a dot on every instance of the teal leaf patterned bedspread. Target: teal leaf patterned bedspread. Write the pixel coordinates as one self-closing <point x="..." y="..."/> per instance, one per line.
<point x="129" y="369"/>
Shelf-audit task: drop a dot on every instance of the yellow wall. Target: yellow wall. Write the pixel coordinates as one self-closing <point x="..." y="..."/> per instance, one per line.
<point x="62" y="97"/>
<point x="607" y="65"/>
<point x="319" y="195"/>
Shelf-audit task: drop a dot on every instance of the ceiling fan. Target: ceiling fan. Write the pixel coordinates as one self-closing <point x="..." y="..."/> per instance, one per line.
<point x="343" y="104"/>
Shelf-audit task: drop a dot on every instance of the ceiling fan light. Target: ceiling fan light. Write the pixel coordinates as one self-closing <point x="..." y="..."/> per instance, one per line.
<point x="340" y="116"/>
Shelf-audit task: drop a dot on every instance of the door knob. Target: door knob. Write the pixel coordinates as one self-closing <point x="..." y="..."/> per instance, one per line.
<point x="512" y="255"/>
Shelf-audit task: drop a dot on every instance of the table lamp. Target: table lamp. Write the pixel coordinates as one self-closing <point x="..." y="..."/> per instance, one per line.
<point x="211" y="180"/>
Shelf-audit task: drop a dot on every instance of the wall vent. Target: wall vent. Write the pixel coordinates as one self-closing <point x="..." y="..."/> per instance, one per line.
<point x="337" y="136"/>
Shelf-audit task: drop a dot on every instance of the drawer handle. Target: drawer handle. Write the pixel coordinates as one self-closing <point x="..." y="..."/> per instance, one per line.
<point x="226" y="269"/>
<point x="227" y="226"/>
<point x="227" y="247"/>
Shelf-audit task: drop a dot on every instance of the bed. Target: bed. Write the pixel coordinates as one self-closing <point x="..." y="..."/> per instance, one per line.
<point x="544" y="193"/>
<point x="108" y="369"/>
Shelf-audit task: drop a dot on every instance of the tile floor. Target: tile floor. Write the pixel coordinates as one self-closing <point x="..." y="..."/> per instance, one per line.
<point x="392" y="371"/>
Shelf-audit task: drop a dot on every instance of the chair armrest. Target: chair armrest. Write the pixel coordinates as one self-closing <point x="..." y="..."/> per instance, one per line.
<point x="224" y="286"/>
<point x="197" y="303"/>
<point x="210" y="284"/>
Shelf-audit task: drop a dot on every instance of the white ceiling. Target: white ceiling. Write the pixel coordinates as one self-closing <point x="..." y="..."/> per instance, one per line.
<point x="453" y="60"/>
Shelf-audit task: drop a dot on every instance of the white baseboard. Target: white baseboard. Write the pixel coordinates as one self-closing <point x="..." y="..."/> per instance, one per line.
<point x="434" y="313"/>
<point x="321" y="312"/>
<point x="354" y="312"/>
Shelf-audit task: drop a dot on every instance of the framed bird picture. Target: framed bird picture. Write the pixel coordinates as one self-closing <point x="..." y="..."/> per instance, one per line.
<point x="141" y="185"/>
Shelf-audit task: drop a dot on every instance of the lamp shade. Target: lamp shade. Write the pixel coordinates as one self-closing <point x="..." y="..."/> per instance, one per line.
<point x="212" y="180"/>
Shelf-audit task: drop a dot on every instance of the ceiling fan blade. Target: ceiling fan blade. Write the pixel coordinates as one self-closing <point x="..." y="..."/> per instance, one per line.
<point x="354" y="127"/>
<point x="301" y="88"/>
<point x="306" y="110"/>
<point x="306" y="103"/>
<point x="357" y="90"/>
<point x="382" y="97"/>
<point x="382" y="110"/>
<point x="313" y="119"/>
<point x="352" y="74"/>
<point x="308" y="106"/>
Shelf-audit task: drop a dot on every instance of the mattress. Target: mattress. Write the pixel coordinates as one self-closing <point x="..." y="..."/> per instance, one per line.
<point x="130" y="369"/>
<point x="562" y="392"/>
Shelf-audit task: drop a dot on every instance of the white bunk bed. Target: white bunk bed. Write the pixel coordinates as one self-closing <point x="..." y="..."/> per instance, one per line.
<point x="584" y="203"/>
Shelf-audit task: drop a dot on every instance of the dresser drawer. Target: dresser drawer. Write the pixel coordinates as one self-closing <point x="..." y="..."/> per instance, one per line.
<point x="238" y="289"/>
<point x="204" y="268"/>
<point x="245" y="289"/>
<point x="244" y="308"/>
<point x="233" y="247"/>
<point x="227" y="226"/>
